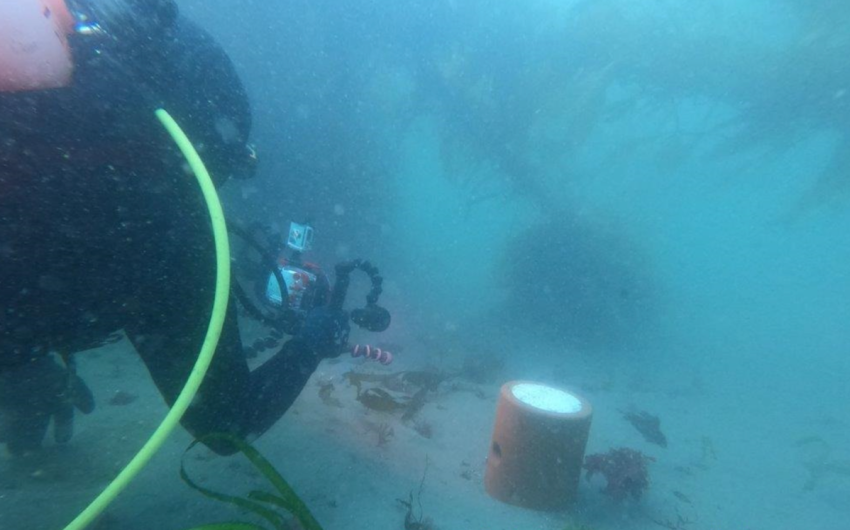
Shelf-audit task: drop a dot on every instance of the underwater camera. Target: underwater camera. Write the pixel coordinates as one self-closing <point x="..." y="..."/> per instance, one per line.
<point x="291" y="287"/>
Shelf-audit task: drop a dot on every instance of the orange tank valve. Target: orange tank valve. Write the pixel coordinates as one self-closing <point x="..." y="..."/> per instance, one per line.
<point x="538" y="444"/>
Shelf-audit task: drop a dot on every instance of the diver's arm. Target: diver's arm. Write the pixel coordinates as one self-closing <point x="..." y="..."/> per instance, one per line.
<point x="277" y="384"/>
<point x="270" y="389"/>
<point x="231" y="399"/>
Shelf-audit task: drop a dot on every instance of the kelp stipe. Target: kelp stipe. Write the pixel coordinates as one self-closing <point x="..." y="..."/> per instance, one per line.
<point x="257" y="502"/>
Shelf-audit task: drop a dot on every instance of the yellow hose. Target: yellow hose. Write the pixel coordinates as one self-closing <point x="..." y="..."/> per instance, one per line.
<point x="196" y="377"/>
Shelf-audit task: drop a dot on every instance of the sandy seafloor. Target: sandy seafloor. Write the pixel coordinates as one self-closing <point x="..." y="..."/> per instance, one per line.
<point x="740" y="457"/>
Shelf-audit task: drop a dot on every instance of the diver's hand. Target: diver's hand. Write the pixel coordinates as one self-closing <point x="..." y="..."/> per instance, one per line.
<point x="325" y="331"/>
<point x="34" y="393"/>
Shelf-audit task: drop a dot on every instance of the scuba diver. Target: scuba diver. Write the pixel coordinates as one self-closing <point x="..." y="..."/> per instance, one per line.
<point x="101" y="228"/>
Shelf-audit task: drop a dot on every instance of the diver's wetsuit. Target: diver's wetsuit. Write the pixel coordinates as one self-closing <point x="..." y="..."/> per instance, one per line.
<point x="102" y="228"/>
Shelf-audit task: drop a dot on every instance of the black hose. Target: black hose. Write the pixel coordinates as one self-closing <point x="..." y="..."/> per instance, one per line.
<point x="270" y="262"/>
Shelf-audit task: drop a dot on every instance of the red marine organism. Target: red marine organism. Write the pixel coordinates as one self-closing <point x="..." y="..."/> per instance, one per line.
<point x="624" y="470"/>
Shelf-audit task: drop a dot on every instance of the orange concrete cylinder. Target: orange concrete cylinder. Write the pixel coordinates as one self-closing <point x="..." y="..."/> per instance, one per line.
<point x="538" y="444"/>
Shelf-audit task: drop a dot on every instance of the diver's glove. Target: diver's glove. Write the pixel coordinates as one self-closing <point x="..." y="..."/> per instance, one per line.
<point x="325" y="332"/>
<point x="32" y="394"/>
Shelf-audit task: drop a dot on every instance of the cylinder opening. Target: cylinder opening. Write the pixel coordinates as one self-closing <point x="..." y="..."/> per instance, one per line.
<point x="547" y="398"/>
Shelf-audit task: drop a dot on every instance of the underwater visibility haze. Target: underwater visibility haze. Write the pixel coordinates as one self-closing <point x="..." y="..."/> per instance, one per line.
<point x="646" y="204"/>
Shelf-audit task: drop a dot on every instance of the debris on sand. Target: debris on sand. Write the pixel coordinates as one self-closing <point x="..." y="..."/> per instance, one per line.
<point x="648" y="425"/>
<point x="121" y="398"/>
<point x="624" y="469"/>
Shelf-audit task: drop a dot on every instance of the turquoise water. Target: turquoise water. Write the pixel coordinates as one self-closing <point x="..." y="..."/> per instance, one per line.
<point x="694" y="152"/>
<point x="710" y="137"/>
<point x="648" y="202"/>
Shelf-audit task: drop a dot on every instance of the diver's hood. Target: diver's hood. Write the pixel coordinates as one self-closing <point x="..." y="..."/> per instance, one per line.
<point x="34" y="51"/>
<point x="126" y="20"/>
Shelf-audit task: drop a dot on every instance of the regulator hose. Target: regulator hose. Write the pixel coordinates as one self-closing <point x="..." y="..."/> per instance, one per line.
<point x="219" y="310"/>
